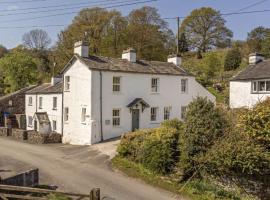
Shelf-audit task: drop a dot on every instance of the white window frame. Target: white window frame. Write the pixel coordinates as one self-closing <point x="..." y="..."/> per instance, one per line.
<point x="116" y="84"/>
<point x="30" y="103"/>
<point x="10" y="103"/>
<point x="155" y="85"/>
<point x="67" y="83"/>
<point x="55" y="103"/>
<point x="167" y="112"/>
<point x="66" y="114"/>
<point x="83" y="115"/>
<point x="255" y="86"/>
<point x="54" y="125"/>
<point x="30" y="119"/>
<point x="183" y="112"/>
<point x="40" y="102"/>
<point x="116" y="117"/>
<point x="184" y="87"/>
<point x="154" y="114"/>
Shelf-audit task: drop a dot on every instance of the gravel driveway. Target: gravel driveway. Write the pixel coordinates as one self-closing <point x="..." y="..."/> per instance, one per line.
<point x="78" y="169"/>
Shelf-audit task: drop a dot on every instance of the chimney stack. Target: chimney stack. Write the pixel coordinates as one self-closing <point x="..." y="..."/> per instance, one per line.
<point x="175" y="59"/>
<point x="81" y="48"/>
<point x="255" y="58"/>
<point x="130" y="55"/>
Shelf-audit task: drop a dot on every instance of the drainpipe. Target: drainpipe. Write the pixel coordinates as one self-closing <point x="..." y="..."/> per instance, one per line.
<point x="101" y="109"/>
<point x="62" y="113"/>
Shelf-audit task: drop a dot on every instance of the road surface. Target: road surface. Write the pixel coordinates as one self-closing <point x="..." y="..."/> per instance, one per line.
<point x="77" y="169"/>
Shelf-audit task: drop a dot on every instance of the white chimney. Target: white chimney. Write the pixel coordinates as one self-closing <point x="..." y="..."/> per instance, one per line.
<point x="175" y="59"/>
<point x="55" y="80"/>
<point x="81" y="48"/>
<point x="130" y="55"/>
<point x="255" y="58"/>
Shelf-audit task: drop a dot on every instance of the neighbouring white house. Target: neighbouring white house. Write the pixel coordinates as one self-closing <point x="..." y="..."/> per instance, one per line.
<point x="43" y="107"/>
<point x="252" y="85"/>
<point x="106" y="97"/>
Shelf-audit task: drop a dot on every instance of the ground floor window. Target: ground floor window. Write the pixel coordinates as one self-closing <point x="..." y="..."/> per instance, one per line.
<point x="154" y="111"/>
<point x="66" y="114"/>
<point x="167" y="112"/>
<point x="30" y="121"/>
<point x="54" y="125"/>
<point x="83" y="115"/>
<point x="116" y="117"/>
<point x="261" y="86"/>
<point x="183" y="112"/>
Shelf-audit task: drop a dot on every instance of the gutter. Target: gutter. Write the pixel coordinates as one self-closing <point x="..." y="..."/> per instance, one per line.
<point x="101" y="108"/>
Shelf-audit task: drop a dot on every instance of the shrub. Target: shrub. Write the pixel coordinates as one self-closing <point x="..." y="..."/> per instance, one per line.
<point x="174" y="123"/>
<point x="204" y="125"/>
<point x="232" y="60"/>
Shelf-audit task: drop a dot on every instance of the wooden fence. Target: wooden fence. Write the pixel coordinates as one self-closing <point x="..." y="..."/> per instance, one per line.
<point x="8" y="192"/>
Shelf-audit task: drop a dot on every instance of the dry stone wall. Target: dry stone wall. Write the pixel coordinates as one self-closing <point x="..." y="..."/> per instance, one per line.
<point x="38" y="138"/>
<point x="19" y="134"/>
<point x="5" y="132"/>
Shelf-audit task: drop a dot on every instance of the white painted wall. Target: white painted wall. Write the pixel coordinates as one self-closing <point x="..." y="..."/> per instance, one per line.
<point x="85" y="92"/>
<point x="47" y="106"/>
<point x="241" y="96"/>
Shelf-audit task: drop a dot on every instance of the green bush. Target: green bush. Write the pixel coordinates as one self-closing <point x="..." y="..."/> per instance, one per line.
<point x="232" y="60"/>
<point x="174" y="123"/>
<point x="204" y="125"/>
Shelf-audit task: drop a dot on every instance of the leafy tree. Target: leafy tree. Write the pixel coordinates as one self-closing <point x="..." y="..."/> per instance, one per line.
<point x="232" y="60"/>
<point x="36" y="39"/>
<point x="20" y="70"/>
<point x="3" y="51"/>
<point x="266" y="47"/>
<point x="204" y="125"/>
<point x="257" y="37"/>
<point x="183" y="44"/>
<point x="205" y="29"/>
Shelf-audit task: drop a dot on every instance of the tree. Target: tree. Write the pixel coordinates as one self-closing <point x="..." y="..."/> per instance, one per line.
<point x="3" y="51"/>
<point x="257" y="37"/>
<point x="233" y="59"/>
<point x="205" y="29"/>
<point x="20" y="70"/>
<point x="183" y="44"/>
<point x="37" y="39"/>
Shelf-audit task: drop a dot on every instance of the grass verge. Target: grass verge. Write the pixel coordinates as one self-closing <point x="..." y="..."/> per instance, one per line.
<point x="195" y="190"/>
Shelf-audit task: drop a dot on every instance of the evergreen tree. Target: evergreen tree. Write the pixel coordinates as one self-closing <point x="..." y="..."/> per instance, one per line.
<point x="232" y="60"/>
<point x="183" y="44"/>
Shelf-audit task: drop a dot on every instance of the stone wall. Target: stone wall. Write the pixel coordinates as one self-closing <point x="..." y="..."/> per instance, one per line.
<point x="19" y="134"/>
<point x="26" y="179"/>
<point x="5" y="132"/>
<point x="38" y="138"/>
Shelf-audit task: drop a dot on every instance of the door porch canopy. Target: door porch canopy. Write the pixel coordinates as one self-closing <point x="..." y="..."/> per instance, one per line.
<point x="136" y="103"/>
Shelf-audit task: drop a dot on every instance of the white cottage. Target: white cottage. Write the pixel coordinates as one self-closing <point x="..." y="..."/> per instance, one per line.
<point x="106" y="97"/>
<point x="43" y="107"/>
<point x="251" y="85"/>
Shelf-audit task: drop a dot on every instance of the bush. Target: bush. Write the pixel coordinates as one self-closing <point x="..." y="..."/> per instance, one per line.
<point x="256" y="123"/>
<point x="204" y="125"/>
<point x="232" y="60"/>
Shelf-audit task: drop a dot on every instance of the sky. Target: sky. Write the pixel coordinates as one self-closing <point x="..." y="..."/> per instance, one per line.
<point x="16" y="18"/>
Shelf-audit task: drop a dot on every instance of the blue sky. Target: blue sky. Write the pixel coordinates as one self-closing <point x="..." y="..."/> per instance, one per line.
<point x="9" y="17"/>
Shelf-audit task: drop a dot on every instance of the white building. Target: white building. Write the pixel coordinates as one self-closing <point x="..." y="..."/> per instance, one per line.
<point x="106" y="97"/>
<point x="252" y="85"/>
<point x="43" y="107"/>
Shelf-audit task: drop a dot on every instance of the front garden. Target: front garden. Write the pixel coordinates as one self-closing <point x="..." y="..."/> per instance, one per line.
<point x="214" y="154"/>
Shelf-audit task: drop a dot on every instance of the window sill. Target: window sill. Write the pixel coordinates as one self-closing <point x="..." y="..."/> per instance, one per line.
<point x="83" y="123"/>
<point x="266" y="92"/>
<point x="117" y="126"/>
<point x="40" y="108"/>
<point x="30" y="104"/>
<point x="117" y="93"/>
<point x="152" y="122"/>
<point x="55" y="109"/>
<point x="154" y="93"/>
<point x="66" y="90"/>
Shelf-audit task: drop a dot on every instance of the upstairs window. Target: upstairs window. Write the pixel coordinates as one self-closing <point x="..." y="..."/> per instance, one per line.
<point x="154" y="111"/>
<point x="54" y="103"/>
<point x="67" y="83"/>
<point x="154" y="85"/>
<point x="40" y="102"/>
<point x="183" y="112"/>
<point x="30" y="101"/>
<point x="116" y="84"/>
<point x="83" y="115"/>
<point x="167" y="113"/>
<point x="66" y="114"/>
<point x="184" y="85"/>
<point x="116" y="117"/>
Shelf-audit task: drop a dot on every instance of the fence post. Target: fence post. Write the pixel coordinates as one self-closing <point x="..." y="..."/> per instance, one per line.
<point x="95" y="194"/>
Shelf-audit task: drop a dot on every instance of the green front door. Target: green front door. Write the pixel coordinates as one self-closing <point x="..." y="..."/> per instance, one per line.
<point x="135" y="119"/>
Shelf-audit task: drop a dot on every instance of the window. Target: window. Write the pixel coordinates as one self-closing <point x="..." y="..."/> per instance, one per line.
<point x="183" y="112"/>
<point x="167" y="112"/>
<point x="54" y="103"/>
<point x="30" y="101"/>
<point x="40" y="102"/>
<point x="260" y="86"/>
<point x="54" y="125"/>
<point x="30" y="121"/>
<point x="116" y="117"/>
<point x="154" y="84"/>
<point x="184" y="85"/>
<point x="254" y="87"/>
<point x="10" y="102"/>
<point x="66" y="113"/>
<point x="116" y="84"/>
<point x="83" y="116"/>
<point x="67" y="83"/>
<point x="154" y="113"/>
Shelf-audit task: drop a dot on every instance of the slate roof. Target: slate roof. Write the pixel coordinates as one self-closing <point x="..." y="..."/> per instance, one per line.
<point x="121" y="65"/>
<point x="138" y="101"/>
<point x="260" y="70"/>
<point x="21" y="91"/>
<point x="47" y="88"/>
